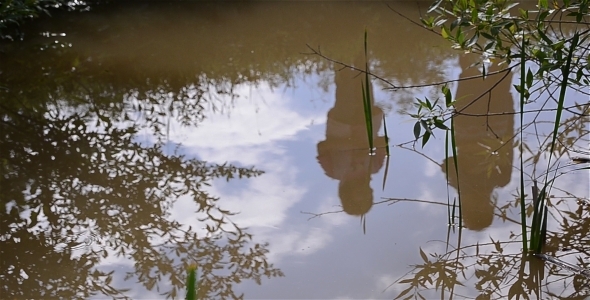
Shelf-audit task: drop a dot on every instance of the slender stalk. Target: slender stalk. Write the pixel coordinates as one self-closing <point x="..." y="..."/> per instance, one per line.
<point x="565" y="71"/>
<point x="447" y="177"/>
<point x="368" y="116"/>
<point x="522" y="96"/>
<point x="367" y="103"/>
<point x="386" y="137"/>
<point x="191" y="283"/>
<point x="386" y="171"/>
<point x="454" y="148"/>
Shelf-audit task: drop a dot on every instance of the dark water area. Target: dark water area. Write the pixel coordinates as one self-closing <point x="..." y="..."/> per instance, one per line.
<point x="139" y="138"/>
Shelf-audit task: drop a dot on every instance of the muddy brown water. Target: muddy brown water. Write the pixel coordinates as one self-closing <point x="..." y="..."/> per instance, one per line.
<point x="141" y="137"/>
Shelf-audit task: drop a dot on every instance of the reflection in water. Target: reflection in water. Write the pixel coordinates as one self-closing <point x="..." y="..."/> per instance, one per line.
<point x="68" y="173"/>
<point x="344" y="154"/>
<point x="485" y="161"/>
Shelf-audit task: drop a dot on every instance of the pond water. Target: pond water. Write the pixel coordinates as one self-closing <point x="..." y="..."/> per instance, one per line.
<point x="141" y="137"/>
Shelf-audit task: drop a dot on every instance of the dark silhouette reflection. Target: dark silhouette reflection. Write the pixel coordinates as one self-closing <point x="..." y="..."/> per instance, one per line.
<point x="344" y="155"/>
<point x="485" y="161"/>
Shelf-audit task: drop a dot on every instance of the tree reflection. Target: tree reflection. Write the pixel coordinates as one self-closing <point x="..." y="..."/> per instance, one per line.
<point x="496" y="273"/>
<point x="67" y="170"/>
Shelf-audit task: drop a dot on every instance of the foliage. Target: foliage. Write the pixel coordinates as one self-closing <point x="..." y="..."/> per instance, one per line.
<point x="368" y="101"/>
<point x="191" y="283"/>
<point x="73" y="164"/>
<point x="499" y="273"/>
<point x="14" y="12"/>
<point x="550" y="45"/>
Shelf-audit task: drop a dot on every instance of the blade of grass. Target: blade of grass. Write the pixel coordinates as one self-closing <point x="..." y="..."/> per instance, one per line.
<point x="386" y="137"/>
<point x="367" y="100"/>
<point x="454" y="148"/>
<point x="521" y="113"/>
<point x="565" y="71"/>
<point x="368" y="117"/>
<point x="447" y="177"/>
<point x="538" y="219"/>
<point x="386" y="171"/>
<point x="534" y="224"/>
<point x="191" y="283"/>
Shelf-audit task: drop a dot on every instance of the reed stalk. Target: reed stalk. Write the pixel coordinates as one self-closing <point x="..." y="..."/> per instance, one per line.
<point x="191" y="283"/>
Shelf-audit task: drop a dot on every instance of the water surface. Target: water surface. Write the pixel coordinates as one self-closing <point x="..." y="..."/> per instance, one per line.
<point x="141" y="137"/>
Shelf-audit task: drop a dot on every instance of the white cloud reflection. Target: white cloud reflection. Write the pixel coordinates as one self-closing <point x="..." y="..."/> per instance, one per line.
<point x="253" y="134"/>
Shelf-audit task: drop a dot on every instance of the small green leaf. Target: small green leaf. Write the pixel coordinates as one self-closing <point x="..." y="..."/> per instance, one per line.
<point x="417" y="130"/>
<point x="440" y="22"/>
<point x="455" y="24"/>
<point x="529" y="79"/>
<point x="487" y="36"/>
<point x="448" y="97"/>
<point x="445" y="33"/>
<point x="472" y="40"/>
<point x="524" y="14"/>
<point x="428" y="104"/>
<point x="425" y="138"/>
<point x="439" y="124"/>
<point x="434" y="6"/>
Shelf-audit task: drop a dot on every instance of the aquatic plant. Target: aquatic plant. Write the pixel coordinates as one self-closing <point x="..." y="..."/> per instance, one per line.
<point x="556" y="53"/>
<point x="191" y="283"/>
<point x="367" y="104"/>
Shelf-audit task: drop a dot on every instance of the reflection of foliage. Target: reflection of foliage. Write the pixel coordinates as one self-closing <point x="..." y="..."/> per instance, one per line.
<point x="498" y="274"/>
<point x="493" y="28"/>
<point x="441" y="272"/>
<point x="13" y="12"/>
<point x="217" y="255"/>
<point x="85" y="172"/>
<point x="224" y="43"/>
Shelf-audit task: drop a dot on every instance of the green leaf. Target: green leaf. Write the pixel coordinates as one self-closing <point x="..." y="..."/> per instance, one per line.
<point x="509" y="6"/>
<point x="529" y="79"/>
<point x="448" y="97"/>
<point x="472" y="40"/>
<point x="427" y="23"/>
<point x="544" y="36"/>
<point x="440" y="22"/>
<point x="524" y="14"/>
<point x="543" y="4"/>
<point x="425" y="125"/>
<point x="425" y="138"/>
<point x="439" y="124"/>
<point x="434" y="6"/>
<point x="445" y="33"/>
<point x="455" y="24"/>
<point x="488" y="36"/>
<point x="428" y="104"/>
<point x="417" y="130"/>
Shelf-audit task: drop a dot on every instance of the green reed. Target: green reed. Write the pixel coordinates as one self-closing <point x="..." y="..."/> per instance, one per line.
<point x="451" y="138"/>
<point x="539" y="223"/>
<point x="386" y="137"/>
<point x="454" y="149"/>
<point x="522" y="99"/>
<point x="367" y="105"/>
<point x="191" y="283"/>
